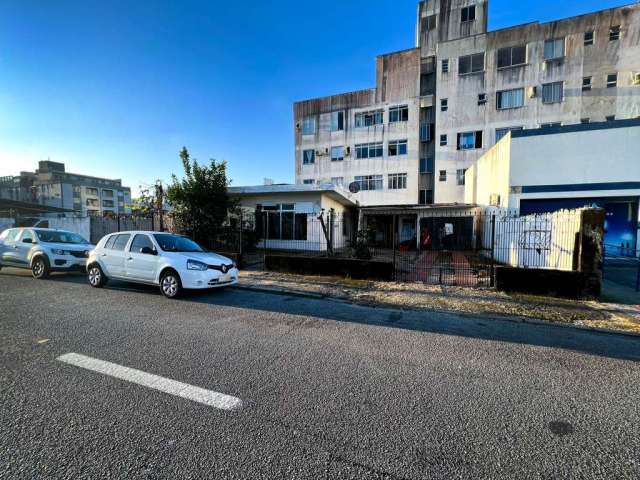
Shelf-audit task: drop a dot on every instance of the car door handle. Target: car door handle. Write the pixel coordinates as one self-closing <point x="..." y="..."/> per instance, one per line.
<point x="103" y="255"/>
<point x="130" y="258"/>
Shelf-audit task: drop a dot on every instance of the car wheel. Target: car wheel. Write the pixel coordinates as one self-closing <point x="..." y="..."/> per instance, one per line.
<point x="40" y="268"/>
<point x="170" y="284"/>
<point x="96" y="277"/>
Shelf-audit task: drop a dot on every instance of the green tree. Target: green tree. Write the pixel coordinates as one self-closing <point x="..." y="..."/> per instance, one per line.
<point x="200" y="201"/>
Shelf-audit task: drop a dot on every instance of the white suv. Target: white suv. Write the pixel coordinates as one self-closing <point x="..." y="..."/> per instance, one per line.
<point x="172" y="262"/>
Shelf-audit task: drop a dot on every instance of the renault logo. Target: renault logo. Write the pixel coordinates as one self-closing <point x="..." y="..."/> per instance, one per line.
<point x="224" y="268"/>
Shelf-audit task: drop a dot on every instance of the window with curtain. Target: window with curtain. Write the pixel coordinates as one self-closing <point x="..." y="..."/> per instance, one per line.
<point x="552" y="92"/>
<point x="510" y="99"/>
<point x="554" y="48"/>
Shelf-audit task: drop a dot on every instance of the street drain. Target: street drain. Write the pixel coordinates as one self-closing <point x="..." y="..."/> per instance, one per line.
<point x="560" y="429"/>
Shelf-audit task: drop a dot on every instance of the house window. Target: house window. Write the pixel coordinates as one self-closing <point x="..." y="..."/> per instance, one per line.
<point x="369" y="150"/>
<point x="614" y="33"/>
<point x="397" y="147"/>
<point x="584" y="121"/>
<point x="501" y="132"/>
<point x="444" y="105"/>
<point x="426" y="165"/>
<point x="471" y="64"/>
<point x="470" y="140"/>
<point x="550" y="125"/>
<point x="428" y="23"/>
<point x="510" y="99"/>
<point x="554" y="49"/>
<point x="512" y="56"/>
<point x="308" y="157"/>
<point x="588" y="38"/>
<point x="309" y="125"/>
<point x="107" y="203"/>
<point x="283" y="223"/>
<point x="445" y="65"/>
<point x="107" y="193"/>
<point x="369" y="182"/>
<point x="337" y="181"/>
<point x="399" y="114"/>
<point x="368" y="119"/>
<point x="397" y="181"/>
<point x="337" y="154"/>
<point x="337" y="121"/>
<point x="91" y="191"/>
<point x="468" y="14"/>
<point x="460" y="176"/>
<point x="552" y="92"/>
<point x="426" y="197"/>
<point x="443" y="176"/>
<point x="612" y="80"/>
<point x="308" y="181"/>
<point x="586" y="84"/>
<point x="443" y="140"/>
<point x="610" y="118"/>
<point x="92" y="202"/>
<point x="425" y="132"/>
<point x="482" y="99"/>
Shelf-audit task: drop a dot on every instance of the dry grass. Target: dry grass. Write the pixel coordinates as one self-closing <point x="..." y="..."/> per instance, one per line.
<point x="420" y="296"/>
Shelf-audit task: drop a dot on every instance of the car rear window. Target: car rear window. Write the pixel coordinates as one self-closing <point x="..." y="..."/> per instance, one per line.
<point x="109" y="243"/>
<point x="121" y="242"/>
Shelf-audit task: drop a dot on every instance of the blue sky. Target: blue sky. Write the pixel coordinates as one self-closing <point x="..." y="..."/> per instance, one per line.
<point x="116" y="88"/>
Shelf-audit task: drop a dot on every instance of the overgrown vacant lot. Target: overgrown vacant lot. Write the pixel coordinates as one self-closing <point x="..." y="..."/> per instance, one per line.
<point x="420" y="296"/>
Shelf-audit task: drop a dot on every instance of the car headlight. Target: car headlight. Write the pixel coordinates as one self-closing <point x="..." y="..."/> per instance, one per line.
<point x="196" y="265"/>
<point x="57" y="251"/>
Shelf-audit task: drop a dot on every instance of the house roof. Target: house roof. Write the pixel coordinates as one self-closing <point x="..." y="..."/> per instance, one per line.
<point x="336" y="193"/>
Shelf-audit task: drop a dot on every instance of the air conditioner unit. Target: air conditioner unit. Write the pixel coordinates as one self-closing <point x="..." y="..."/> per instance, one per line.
<point x="636" y="78"/>
<point x="532" y="92"/>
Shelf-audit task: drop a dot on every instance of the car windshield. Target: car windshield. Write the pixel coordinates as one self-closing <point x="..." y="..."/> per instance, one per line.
<point x="55" y="236"/>
<point x="176" y="243"/>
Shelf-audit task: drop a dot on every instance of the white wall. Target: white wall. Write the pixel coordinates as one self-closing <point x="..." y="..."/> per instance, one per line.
<point x="79" y="225"/>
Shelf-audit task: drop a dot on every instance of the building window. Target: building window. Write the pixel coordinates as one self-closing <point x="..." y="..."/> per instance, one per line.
<point x="337" y="121"/>
<point x="308" y="157"/>
<point x="460" y="176"/>
<point x="92" y="202"/>
<point x="283" y="223"/>
<point x="512" y="56"/>
<point x="612" y="80"/>
<point x="425" y="132"/>
<point x="399" y="114"/>
<point x="471" y="64"/>
<point x="426" y="165"/>
<point x="584" y="121"/>
<point x="443" y="176"/>
<point x="445" y="65"/>
<point x="397" y="181"/>
<point x="614" y="33"/>
<point x="428" y="23"/>
<point x="444" y="105"/>
<point x="369" y="150"/>
<point x="554" y="49"/>
<point x="308" y="181"/>
<point x="443" y="140"/>
<point x="482" y="99"/>
<point x="550" y="125"/>
<point x="337" y="181"/>
<point x="586" y="84"/>
<point x="91" y="191"/>
<point x="470" y="140"/>
<point x="610" y="118"/>
<point x="397" y="147"/>
<point x="107" y="203"/>
<point x="588" y="38"/>
<point x="426" y="197"/>
<point x="468" y="14"/>
<point x="552" y="92"/>
<point x="510" y="99"/>
<point x="107" y="193"/>
<point x="501" y="132"/>
<point x="369" y="182"/>
<point x="368" y="119"/>
<point x="337" y="154"/>
<point x="309" y="125"/>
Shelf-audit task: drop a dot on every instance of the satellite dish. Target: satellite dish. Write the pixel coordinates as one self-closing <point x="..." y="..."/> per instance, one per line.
<point x="354" y="187"/>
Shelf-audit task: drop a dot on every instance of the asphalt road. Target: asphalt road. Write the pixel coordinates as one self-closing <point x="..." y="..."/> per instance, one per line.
<point x="328" y="390"/>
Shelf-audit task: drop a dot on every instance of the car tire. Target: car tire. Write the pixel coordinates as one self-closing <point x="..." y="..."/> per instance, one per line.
<point x="170" y="284"/>
<point x="96" y="276"/>
<point x="40" y="268"/>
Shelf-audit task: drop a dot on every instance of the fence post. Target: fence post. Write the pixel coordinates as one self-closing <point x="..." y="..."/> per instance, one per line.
<point x="240" y="239"/>
<point x="265" y="232"/>
<point x="492" y="279"/>
<point x="118" y="220"/>
<point x="393" y="246"/>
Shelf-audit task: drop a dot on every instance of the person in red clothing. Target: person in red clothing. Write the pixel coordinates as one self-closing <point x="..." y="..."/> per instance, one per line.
<point x="425" y="239"/>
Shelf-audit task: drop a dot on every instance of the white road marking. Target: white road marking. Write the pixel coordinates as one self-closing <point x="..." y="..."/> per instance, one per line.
<point x="162" y="384"/>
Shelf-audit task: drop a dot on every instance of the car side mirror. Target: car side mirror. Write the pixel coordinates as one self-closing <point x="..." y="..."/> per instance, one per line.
<point x="148" y="251"/>
<point x="27" y="240"/>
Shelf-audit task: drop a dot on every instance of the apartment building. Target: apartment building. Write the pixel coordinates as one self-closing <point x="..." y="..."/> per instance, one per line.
<point x="51" y="185"/>
<point x="438" y="107"/>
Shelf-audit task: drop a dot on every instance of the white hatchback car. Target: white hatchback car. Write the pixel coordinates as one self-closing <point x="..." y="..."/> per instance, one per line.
<point x="172" y="262"/>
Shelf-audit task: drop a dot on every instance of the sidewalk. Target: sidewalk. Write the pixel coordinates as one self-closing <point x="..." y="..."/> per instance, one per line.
<point x="420" y="296"/>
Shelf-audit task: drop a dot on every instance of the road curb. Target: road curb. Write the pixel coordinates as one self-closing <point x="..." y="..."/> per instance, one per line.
<point x="512" y="319"/>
